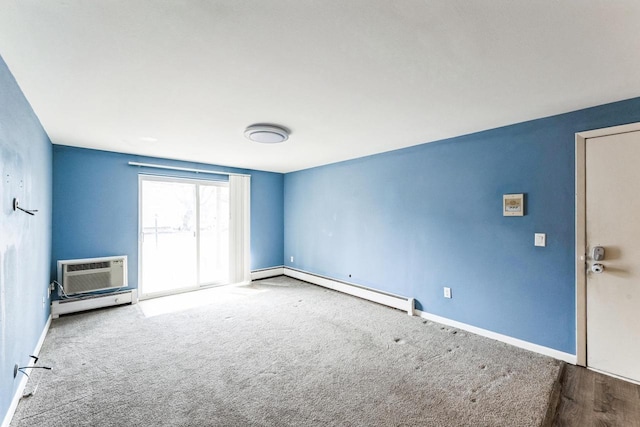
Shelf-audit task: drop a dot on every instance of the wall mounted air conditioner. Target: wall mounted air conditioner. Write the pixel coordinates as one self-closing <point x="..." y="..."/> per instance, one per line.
<point x="78" y="276"/>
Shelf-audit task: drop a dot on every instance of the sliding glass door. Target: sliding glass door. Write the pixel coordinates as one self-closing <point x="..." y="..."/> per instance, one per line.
<point x="184" y="234"/>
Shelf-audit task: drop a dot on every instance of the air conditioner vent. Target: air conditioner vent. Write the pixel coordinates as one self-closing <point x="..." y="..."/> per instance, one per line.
<point x="88" y="266"/>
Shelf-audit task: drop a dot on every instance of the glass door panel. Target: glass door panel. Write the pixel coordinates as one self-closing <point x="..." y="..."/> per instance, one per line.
<point x="169" y="243"/>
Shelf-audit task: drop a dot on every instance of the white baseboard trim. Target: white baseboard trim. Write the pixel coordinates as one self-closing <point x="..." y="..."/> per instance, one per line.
<point x="390" y="300"/>
<point x="90" y="303"/>
<point x="23" y="381"/>
<point x="556" y="354"/>
<point x="407" y="304"/>
<point x="267" y="272"/>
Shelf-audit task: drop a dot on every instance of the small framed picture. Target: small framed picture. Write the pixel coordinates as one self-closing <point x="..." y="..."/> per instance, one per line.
<point x="513" y="205"/>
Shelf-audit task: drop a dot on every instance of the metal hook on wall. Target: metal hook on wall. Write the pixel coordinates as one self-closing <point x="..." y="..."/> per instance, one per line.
<point x="17" y="207"/>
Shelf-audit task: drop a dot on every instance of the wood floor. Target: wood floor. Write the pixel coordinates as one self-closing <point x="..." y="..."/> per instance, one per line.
<point x="587" y="398"/>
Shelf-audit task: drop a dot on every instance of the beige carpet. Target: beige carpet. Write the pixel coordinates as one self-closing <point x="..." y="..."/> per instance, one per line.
<point x="278" y="353"/>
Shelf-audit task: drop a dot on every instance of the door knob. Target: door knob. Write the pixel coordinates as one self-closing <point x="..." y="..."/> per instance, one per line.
<point x="597" y="268"/>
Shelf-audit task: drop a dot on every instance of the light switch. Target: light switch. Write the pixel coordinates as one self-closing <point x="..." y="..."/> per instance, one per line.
<point x="540" y="239"/>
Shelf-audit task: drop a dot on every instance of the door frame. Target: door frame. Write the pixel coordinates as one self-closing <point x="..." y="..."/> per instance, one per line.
<point x="581" y="232"/>
<point x="179" y="179"/>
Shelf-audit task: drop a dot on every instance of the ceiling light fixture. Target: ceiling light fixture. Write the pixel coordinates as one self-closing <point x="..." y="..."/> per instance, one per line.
<point x="266" y="134"/>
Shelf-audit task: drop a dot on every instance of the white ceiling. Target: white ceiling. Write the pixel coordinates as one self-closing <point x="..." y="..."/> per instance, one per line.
<point x="349" y="78"/>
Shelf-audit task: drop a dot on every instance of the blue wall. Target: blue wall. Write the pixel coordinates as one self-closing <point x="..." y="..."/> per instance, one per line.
<point x="414" y="220"/>
<point x="25" y="241"/>
<point x="95" y="206"/>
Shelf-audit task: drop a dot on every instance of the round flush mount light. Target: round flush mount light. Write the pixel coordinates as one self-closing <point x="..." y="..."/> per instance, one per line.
<point x="266" y="134"/>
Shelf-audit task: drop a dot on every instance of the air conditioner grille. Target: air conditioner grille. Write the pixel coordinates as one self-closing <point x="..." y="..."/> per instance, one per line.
<point x="88" y="266"/>
<point x="88" y="282"/>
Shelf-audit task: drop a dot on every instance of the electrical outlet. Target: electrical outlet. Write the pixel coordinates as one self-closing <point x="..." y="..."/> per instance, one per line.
<point x="540" y="239"/>
<point x="447" y="292"/>
<point x="291" y="259"/>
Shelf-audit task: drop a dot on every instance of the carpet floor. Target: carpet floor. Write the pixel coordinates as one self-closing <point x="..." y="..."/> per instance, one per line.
<point x="278" y="352"/>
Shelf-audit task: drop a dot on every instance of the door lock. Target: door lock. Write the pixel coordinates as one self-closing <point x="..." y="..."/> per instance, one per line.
<point x="597" y="268"/>
<point x="597" y="253"/>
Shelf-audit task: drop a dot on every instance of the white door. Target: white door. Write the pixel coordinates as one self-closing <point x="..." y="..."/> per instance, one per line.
<point x="613" y="223"/>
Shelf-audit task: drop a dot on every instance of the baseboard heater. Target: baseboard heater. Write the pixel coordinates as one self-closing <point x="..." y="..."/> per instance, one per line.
<point x="74" y="305"/>
<point x="391" y="300"/>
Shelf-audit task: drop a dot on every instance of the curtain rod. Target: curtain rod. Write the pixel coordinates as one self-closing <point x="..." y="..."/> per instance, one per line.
<point x="176" y="168"/>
